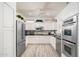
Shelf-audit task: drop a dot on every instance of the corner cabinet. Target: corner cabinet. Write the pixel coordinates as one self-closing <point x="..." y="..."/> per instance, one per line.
<point x="7" y="21"/>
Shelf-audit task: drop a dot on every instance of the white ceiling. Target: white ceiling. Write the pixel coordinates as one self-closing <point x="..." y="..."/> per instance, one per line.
<point x="40" y="9"/>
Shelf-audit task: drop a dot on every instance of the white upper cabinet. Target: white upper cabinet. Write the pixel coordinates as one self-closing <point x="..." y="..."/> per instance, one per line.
<point x="8" y="16"/>
<point x="46" y="25"/>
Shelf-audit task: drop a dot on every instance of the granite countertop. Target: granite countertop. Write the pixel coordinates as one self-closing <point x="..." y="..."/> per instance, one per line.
<point x="49" y="32"/>
<point x="40" y="30"/>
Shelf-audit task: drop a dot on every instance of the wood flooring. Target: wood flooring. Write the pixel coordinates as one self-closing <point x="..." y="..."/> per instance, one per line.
<point x="39" y="50"/>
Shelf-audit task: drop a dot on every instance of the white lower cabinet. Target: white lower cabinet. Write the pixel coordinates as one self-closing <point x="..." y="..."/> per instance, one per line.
<point x="53" y="41"/>
<point x="38" y="39"/>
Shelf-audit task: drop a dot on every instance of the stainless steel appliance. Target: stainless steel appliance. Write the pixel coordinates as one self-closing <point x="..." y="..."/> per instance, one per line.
<point x="69" y="35"/>
<point x="70" y="29"/>
<point x="58" y="44"/>
<point x="20" y="38"/>
<point x="69" y="49"/>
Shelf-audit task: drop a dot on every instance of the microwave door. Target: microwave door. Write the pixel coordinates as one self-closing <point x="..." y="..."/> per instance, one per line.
<point x="68" y="33"/>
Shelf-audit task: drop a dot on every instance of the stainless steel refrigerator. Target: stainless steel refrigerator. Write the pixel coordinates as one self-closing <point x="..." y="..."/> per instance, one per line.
<point x="20" y="38"/>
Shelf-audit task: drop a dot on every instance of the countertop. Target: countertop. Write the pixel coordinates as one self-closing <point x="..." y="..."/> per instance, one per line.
<point x="41" y="32"/>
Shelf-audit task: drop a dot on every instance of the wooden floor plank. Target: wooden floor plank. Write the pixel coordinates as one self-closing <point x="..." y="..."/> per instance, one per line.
<point x="40" y="50"/>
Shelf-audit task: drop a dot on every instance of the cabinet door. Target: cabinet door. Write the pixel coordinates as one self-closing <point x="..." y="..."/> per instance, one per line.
<point x="1" y="39"/>
<point x="53" y="42"/>
<point x="8" y="16"/>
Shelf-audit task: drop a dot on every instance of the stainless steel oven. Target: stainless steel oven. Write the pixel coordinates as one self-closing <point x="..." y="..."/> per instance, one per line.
<point x="70" y="36"/>
<point x="69" y="49"/>
<point x="70" y="29"/>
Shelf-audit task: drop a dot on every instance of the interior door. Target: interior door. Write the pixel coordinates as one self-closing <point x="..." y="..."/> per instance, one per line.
<point x="8" y="30"/>
<point x="1" y="31"/>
